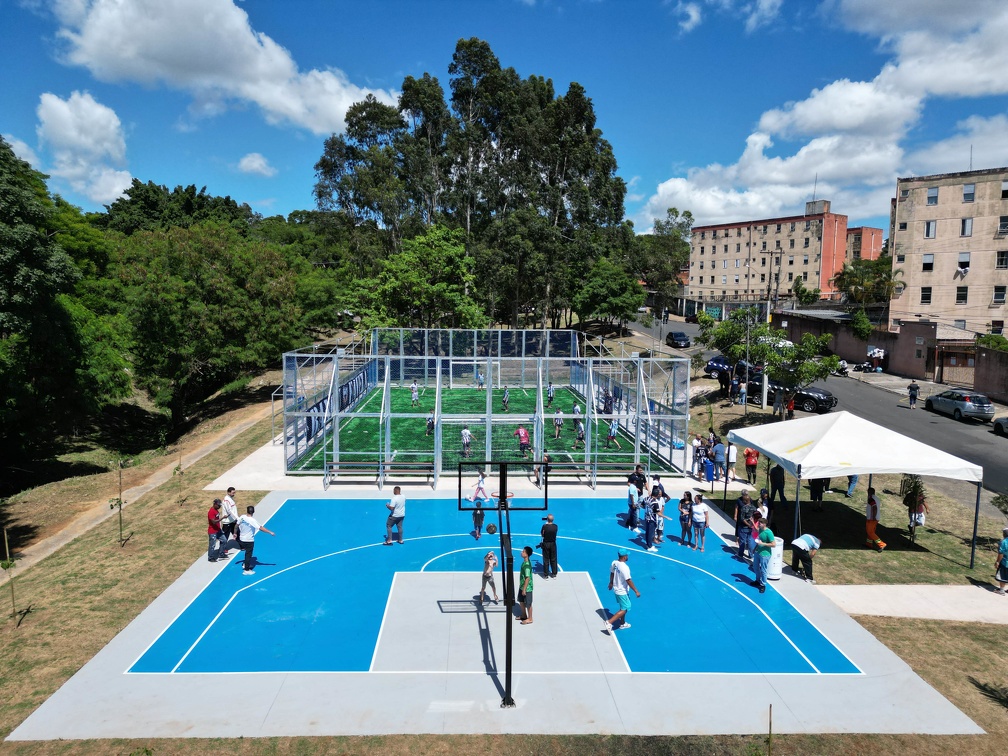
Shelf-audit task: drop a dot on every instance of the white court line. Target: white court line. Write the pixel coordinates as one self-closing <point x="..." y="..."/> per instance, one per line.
<point x="381" y="628"/>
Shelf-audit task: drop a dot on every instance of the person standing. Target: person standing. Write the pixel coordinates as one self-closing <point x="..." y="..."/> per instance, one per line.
<point x="718" y="452"/>
<point x="489" y="562"/>
<point x="466" y="441"/>
<point x="912" y="391"/>
<point x="430" y="424"/>
<point x="229" y="518"/>
<point x="548" y="534"/>
<point x="523" y="441"/>
<point x="506" y="399"/>
<point x="480" y="492"/>
<point x="751" y="457"/>
<point x="217" y="546"/>
<point x="397" y="513"/>
<point x="247" y="529"/>
<point x="550" y="393"/>
<point x="699" y="455"/>
<point x="414" y="395"/>
<point x="1001" y="563"/>
<point x="731" y="457"/>
<point x="872" y="520"/>
<point x="557" y="423"/>
<point x="776" y="488"/>
<point x="525" y="586"/>
<point x="478" y="515"/>
<point x="701" y="519"/>
<point x="744" y="513"/>
<point x="851" y="485"/>
<point x="816" y="488"/>
<point x="764" y="547"/>
<point x="620" y="583"/>
<point x="650" y="505"/>
<point x="580" y="438"/>
<point x="612" y="435"/>
<point x="743" y="393"/>
<point x="480" y="381"/>
<point x="686" y="519"/>
<point x="803" y="548"/>
<point x="635" y="490"/>
<point x="537" y="479"/>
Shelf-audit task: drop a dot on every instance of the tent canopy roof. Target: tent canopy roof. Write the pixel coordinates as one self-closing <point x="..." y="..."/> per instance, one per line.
<point x="839" y="443"/>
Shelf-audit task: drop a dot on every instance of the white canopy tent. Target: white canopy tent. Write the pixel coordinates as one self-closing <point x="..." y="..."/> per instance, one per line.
<point x="839" y="443"/>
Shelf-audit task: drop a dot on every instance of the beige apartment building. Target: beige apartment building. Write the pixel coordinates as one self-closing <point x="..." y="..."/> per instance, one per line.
<point x="761" y="260"/>
<point x="950" y="239"/>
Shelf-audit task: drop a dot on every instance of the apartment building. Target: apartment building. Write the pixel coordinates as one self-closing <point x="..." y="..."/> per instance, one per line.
<point x="864" y="243"/>
<point x="761" y="259"/>
<point x="949" y="237"/>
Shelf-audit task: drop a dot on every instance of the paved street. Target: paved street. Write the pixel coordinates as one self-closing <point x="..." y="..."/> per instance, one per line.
<point x="872" y="398"/>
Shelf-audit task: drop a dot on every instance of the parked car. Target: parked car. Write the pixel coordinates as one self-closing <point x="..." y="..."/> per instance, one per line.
<point x="692" y="318"/>
<point x="960" y="403"/>
<point x="808" y="399"/>
<point x="678" y="339"/>
<point x="1001" y="426"/>
<point x="717" y="365"/>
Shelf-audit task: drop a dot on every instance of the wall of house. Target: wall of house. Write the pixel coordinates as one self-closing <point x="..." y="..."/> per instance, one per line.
<point x="991" y="374"/>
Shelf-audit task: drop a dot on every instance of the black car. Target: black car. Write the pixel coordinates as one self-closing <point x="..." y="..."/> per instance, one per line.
<point x="692" y="318"/>
<point x="678" y="339"/>
<point x="717" y="365"/>
<point x="808" y="399"/>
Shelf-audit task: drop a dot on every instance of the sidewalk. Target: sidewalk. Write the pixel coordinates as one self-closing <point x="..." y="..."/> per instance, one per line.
<point x="897" y="384"/>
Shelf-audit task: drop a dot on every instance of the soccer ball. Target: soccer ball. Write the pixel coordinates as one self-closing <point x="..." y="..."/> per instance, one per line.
<point x="491" y="528"/>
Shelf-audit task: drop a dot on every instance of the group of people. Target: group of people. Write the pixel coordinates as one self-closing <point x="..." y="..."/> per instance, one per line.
<point x="224" y="523"/>
<point x="722" y="457"/>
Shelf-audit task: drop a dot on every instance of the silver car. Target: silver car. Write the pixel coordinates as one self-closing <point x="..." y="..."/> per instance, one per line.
<point x="960" y="403"/>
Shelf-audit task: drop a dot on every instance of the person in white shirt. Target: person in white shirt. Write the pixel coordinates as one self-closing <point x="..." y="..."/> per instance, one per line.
<point x="701" y="519"/>
<point x="732" y="459"/>
<point x="229" y="518"/>
<point x="620" y="584"/>
<point x="247" y="529"/>
<point x="397" y="513"/>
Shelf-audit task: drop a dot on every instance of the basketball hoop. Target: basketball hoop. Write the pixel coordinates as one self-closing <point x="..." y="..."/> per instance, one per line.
<point x="497" y="497"/>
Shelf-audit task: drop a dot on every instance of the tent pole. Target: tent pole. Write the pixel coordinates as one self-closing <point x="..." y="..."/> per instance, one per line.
<point x="976" y="521"/>
<point x="797" y="507"/>
<point x="724" y="496"/>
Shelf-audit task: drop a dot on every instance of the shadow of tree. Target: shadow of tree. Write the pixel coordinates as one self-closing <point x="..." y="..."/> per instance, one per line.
<point x="994" y="693"/>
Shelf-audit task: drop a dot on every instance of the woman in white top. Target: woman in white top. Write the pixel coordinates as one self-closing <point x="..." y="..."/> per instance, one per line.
<point x="701" y="518"/>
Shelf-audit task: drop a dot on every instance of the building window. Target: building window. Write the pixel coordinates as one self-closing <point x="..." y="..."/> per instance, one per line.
<point x="738" y="249"/>
<point x="790" y="243"/>
<point x="777" y="245"/>
<point x="790" y="276"/>
<point x="927" y="265"/>
<point x="925" y="295"/>
<point x="736" y="279"/>
<point x="900" y="257"/>
<point x="713" y="234"/>
<point x="726" y="249"/>
<point x="1004" y="190"/>
<point x="966" y="227"/>
<point x="778" y="228"/>
<point x="964" y="261"/>
<point x="777" y="261"/>
<point x="701" y="279"/>
<point x="999" y="295"/>
<point x="806" y="242"/>
<point x="919" y="353"/>
<point x="932" y="195"/>
<point x="738" y="231"/>
<point x="762" y="277"/>
<point x="804" y="276"/>
<point x="962" y="295"/>
<point x="763" y="248"/>
<point x="724" y="280"/>
<point x="902" y="226"/>
<point x="724" y="263"/>
<point x="804" y="259"/>
<point x="764" y="228"/>
<point x="969" y="192"/>
<point x="701" y="250"/>
<point x="904" y="193"/>
<point x="701" y="265"/>
<point x="762" y="262"/>
<point x="929" y="229"/>
<point x="997" y="326"/>
<point x="713" y="249"/>
<point x="1002" y="259"/>
<point x="958" y="324"/>
<point x="1003" y="225"/>
<point x="790" y="260"/>
<point x="792" y="225"/>
<point x="738" y="263"/>
<point x="703" y="234"/>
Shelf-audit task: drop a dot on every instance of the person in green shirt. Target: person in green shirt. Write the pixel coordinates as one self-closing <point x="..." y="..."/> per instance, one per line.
<point x="525" y="586"/>
<point x="764" y="545"/>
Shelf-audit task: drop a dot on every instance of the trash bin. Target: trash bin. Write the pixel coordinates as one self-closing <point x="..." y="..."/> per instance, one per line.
<point x="708" y="471"/>
<point x="776" y="565"/>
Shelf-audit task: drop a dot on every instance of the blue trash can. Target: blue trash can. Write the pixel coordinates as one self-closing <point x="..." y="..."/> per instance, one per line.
<point x="709" y="471"/>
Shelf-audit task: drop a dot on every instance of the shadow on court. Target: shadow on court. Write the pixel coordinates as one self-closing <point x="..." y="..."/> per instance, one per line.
<point x="482" y="612"/>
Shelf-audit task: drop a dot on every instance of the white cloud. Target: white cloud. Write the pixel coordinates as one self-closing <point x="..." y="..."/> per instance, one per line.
<point x="22" y="150"/>
<point x="851" y="137"/>
<point x="87" y="145"/>
<point x="208" y="49"/>
<point x="255" y="163"/>
<point x="760" y="13"/>
<point x="691" y="16"/>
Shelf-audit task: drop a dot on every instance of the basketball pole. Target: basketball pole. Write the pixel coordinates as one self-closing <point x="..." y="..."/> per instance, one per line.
<point x="507" y="559"/>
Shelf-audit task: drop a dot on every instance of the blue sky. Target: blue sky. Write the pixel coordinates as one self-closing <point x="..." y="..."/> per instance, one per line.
<point x="732" y="109"/>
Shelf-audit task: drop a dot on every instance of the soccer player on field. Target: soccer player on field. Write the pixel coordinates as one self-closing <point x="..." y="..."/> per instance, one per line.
<point x="557" y="423"/>
<point x="466" y="441"/>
